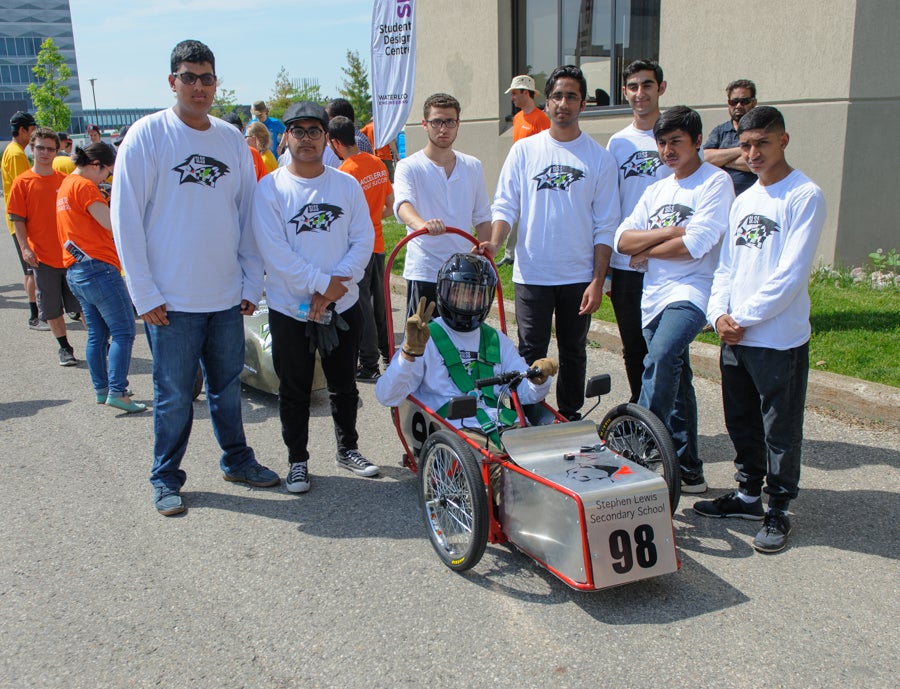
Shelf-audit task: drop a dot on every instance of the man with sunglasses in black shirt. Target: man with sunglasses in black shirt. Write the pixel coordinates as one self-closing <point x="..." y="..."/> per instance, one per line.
<point x="722" y="145"/>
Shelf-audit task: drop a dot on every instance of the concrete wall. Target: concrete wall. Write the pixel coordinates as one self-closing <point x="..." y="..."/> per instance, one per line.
<point x="829" y="65"/>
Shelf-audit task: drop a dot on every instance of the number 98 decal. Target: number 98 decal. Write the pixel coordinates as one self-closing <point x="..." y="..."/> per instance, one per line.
<point x="624" y="553"/>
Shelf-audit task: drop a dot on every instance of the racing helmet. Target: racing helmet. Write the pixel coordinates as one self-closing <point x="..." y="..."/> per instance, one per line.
<point x="465" y="291"/>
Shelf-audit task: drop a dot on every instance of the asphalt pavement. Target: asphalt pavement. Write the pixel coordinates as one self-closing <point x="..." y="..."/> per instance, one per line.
<point x="259" y="588"/>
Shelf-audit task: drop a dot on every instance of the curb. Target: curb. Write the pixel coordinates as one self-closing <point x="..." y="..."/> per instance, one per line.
<point x="872" y="402"/>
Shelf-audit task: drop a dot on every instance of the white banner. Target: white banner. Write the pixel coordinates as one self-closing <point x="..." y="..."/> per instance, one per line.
<point x="393" y="66"/>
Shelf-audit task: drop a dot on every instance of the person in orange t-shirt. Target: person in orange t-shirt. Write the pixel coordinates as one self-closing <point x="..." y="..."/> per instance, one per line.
<point x="94" y="275"/>
<point x="31" y="208"/>
<point x="372" y="176"/>
<point x="388" y="154"/>
<point x="259" y="165"/>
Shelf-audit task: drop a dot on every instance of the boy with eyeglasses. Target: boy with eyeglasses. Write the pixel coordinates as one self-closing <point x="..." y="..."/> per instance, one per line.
<point x="437" y="188"/>
<point x="560" y="186"/>
<point x="32" y="209"/>
<point x="315" y="235"/>
<point x="181" y="202"/>
<point x="722" y="147"/>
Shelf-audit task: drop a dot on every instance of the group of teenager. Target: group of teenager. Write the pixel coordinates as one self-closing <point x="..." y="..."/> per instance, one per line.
<point x="199" y="239"/>
<point x="682" y="251"/>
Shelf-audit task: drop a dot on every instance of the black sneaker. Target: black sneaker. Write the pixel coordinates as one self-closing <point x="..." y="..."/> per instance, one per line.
<point x="297" y="480"/>
<point x="385" y="362"/>
<point x="730" y="506"/>
<point x="355" y="462"/>
<point x="772" y="537"/>
<point x="67" y="357"/>
<point x="367" y="375"/>
<point x="693" y="485"/>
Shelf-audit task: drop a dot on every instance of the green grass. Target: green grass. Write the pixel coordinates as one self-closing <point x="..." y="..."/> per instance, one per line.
<point x="855" y="328"/>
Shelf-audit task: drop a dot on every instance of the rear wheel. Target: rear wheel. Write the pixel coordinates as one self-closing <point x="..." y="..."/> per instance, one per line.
<point x="454" y="500"/>
<point x="638" y="435"/>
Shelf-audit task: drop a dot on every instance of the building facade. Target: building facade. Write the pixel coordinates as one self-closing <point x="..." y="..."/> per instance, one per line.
<point x="826" y="64"/>
<point x="24" y="26"/>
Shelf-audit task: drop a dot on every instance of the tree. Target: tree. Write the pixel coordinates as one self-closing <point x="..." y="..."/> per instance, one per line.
<point x="48" y="91"/>
<point x="224" y="101"/>
<point x="283" y="94"/>
<point x="356" y="87"/>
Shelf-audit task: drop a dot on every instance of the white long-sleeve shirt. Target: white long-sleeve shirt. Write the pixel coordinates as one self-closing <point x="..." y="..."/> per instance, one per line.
<point x="564" y="196"/>
<point x="639" y="166"/>
<point x="428" y="378"/>
<point x="460" y="200"/>
<point x="309" y="230"/>
<point x="180" y="216"/>
<point x="765" y="262"/>
<point x="700" y="204"/>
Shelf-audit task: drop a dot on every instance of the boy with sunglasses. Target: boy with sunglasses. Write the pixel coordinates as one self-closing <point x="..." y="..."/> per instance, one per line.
<point x="182" y="191"/>
<point x="722" y="147"/>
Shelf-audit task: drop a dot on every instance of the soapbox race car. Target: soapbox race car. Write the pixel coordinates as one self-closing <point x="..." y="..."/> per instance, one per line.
<point x="592" y="504"/>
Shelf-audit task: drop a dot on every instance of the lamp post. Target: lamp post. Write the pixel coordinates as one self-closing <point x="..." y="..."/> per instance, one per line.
<point x="94" y="95"/>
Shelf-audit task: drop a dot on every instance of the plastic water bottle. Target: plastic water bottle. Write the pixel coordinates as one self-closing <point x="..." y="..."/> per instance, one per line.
<point x="303" y="315"/>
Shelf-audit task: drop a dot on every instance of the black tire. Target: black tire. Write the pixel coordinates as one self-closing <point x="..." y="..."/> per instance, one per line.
<point x="638" y="435"/>
<point x="454" y="500"/>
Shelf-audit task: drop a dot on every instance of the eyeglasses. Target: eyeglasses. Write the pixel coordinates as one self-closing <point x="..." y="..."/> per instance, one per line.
<point x="189" y="78"/>
<point x="438" y="123"/>
<point x="44" y="149"/>
<point x="567" y="97"/>
<point x="314" y="133"/>
<point x="739" y="101"/>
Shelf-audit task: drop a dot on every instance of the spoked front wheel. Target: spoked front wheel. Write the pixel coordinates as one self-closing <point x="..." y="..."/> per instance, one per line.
<point x="638" y="435"/>
<point x="454" y="500"/>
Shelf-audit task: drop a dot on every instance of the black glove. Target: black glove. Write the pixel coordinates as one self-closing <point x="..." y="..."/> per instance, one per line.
<point x="325" y="338"/>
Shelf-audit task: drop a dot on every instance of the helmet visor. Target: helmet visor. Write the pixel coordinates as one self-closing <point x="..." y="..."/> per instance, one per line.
<point x="467" y="298"/>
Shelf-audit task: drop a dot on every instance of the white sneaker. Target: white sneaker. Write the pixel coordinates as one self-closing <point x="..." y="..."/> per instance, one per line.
<point x="297" y="480"/>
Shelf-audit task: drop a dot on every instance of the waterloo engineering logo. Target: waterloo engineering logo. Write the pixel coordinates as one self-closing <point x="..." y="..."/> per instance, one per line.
<point x="671" y="215"/>
<point x="316" y="217"/>
<point x="558" y="177"/>
<point x="203" y="170"/>
<point x="754" y="229"/>
<point x="641" y="164"/>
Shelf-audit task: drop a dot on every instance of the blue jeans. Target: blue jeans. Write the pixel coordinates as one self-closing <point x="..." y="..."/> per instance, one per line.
<point x="667" y="387"/>
<point x="764" y="397"/>
<point x="110" y="321"/>
<point x="216" y="339"/>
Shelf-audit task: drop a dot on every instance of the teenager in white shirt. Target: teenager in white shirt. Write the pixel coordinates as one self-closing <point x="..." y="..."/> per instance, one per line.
<point x="674" y="235"/>
<point x="760" y="308"/>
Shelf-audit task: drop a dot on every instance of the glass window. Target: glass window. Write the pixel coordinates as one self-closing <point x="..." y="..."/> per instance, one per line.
<point x="600" y="36"/>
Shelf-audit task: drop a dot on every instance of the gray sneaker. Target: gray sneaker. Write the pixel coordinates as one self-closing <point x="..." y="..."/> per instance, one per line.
<point x="67" y="357"/>
<point x="168" y="502"/>
<point x="36" y="324"/>
<point x="730" y="506"/>
<point x="772" y="537"/>
<point x="355" y="462"/>
<point x="297" y="480"/>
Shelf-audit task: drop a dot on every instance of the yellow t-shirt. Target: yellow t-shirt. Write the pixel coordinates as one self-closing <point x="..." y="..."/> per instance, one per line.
<point x="64" y="164"/>
<point x="14" y="163"/>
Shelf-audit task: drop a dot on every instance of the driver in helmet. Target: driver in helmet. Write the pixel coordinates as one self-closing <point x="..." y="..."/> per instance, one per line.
<point x="442" y="359"/>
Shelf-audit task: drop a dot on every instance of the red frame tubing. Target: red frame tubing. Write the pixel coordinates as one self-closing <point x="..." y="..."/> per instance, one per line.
<point x="387" y="281"/>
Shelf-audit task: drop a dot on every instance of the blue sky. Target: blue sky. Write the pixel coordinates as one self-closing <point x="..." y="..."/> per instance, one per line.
<point x="126" y="45"/>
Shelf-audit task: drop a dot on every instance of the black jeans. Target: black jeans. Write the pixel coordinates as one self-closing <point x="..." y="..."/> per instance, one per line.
<point x="764" y="396"/>
<point x="535" y="308"/>
<point x="373" y="340"/>
<point x="295" y="367"/>
<point x="415" y="290"/>
<point x="627" y="288"/>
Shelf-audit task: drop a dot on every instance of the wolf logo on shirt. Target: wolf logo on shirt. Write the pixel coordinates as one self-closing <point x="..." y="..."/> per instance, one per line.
<point x="670" y="215"/>
<point x="203" y="170"/>
<point x="316" y="217"/>
<point x="641" y="163"/>
<point x="558" y="177"/>
<point x="754" y="229"/>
